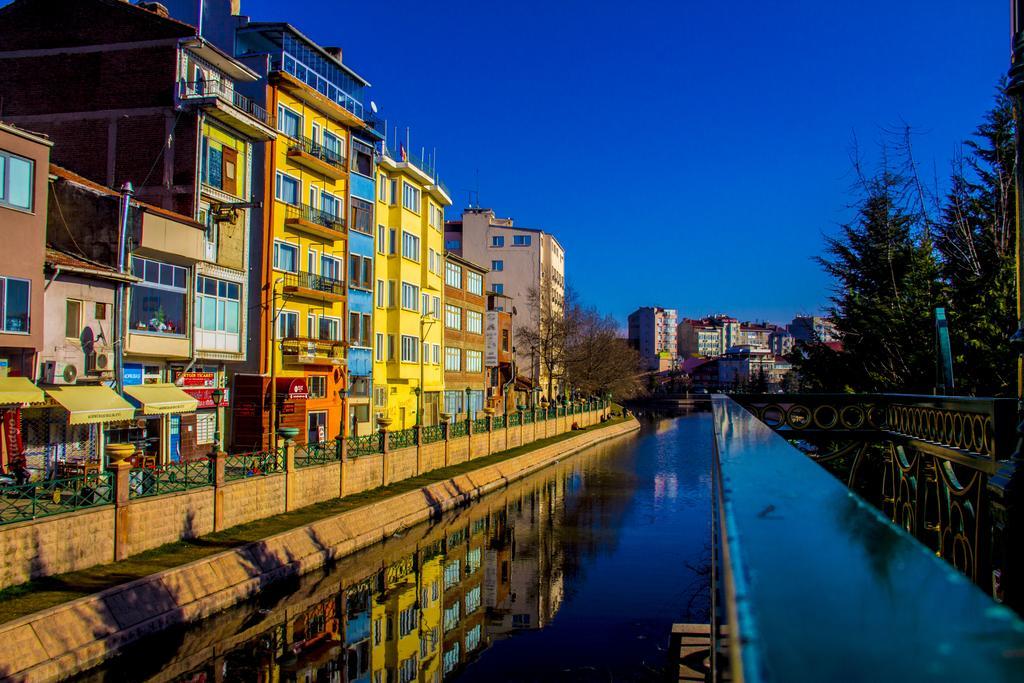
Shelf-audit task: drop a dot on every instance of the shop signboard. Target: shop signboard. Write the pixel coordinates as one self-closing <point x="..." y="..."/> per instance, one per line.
<point x="491" y="340"/>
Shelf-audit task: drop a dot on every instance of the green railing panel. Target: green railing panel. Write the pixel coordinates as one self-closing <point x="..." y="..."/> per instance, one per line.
<point x="316" y="453"/>
<point x="498" y="422"/>
<point x="458" y="428"/>
<point x="401" y="438"/>
<point x="480" y="425"/>
<point x="20" y="502"/>
<point x="367" y="444"/>
<point x="432" y="434"/>
<point x="528" y="417"/>
<point x="256" y="464"/>
<point x="514" y="420"/>
<point x="170" y="478"/>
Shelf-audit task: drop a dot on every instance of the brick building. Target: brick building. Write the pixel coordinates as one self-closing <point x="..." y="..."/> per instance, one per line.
<point x="464" y="311"/>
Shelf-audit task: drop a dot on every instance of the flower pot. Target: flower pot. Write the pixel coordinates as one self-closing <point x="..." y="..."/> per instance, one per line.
<point x="384" y="422"/>
<point x="116" y="452"/>
<point x="288" y="433"/>
<point x="488" y="411"/>
<point x="446" y="417"/>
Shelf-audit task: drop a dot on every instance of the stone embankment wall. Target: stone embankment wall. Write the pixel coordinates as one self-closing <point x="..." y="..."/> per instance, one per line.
<point x="79" y="635"/>
<point x="99" y="535"/>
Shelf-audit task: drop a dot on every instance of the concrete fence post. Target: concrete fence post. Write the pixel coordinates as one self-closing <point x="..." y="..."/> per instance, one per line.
<point x="469" y="437"/>
<point x="121" y="473"/>
<point x="342" y="457"/>
<point x="289" y="474"/>
<point x="490" y="433"/>
<point x="446" y="435"/>
<point x="522" y="428"/>
<point x="418" y="437"/>
<point x="217" y="461"/>
<point x="384" y="456"/>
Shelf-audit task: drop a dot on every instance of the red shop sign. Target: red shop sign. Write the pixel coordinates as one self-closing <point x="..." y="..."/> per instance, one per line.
<point x="12" y="444"/>
<point x="197" y="379"/>
<point x="205" y="396"/>
<point x="292" y="387"/>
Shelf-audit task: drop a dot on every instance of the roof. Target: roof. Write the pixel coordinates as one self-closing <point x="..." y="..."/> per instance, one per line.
<point x="64" y="173"/>
<point x="62" y="260"/>
<point x="40" y="138"/>
<point x="284" y="26"/>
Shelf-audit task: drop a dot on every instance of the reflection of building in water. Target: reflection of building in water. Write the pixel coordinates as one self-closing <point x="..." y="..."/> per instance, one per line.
<point x="425" y="615"/>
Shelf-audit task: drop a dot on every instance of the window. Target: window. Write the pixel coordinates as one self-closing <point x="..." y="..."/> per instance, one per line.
<point x="475" y="283"/>
<point x="355" y="263"/>
<point x="410" y="246"/>
<point x="219" y="166"/>
<point x="382" y="188"/>
<point x="158" y="303"/>
<point x="381" y="237"/>
<point x="452" y="317"/>
<point x="380" y="294"/>
<point x="410" y="197"/>
<point x="410" y="349"/>
<point x="330" y="329"/>
<point x="473" y="634"/>
<point x="436" y="216"/>
<point x="425" y="309"/>
<point x="410" y="296"/>
<point x="391" y="347"/>
<point x="353" y="328"/>
<point x="286" y="257"/>
<point x="436" y="308"/>
<point x="452" y="362"/>
<point x="362" y="158"/>
<point x="407" y="669"/>
<point x="329" y="204"/>
<point x="380" y="396"/>
<point x="474" y="361"/>
<point x="472" y="600"/>
<point x="436" y="354"/>
<point x="392" y="241"/>
<point x="287" y="189"/>
<point x="317" y="385"/>
<point x="433" y="262"/>
<point x="16" y="181"/>
<point x="498" y="241"/>
<point x="453" y="245"/>
<point x="450" y="659"/>
<point x="505" y="340"/>
<point x="391" y="293"/>
<point x="287" y="324"/>
<point x="453" y="275"/>
<point x="218" y="306"/>
<point x="289" y="122"/>
<point x="394" y="192"/>
<point x="331" y="267"/>
<point x="362" y="216"/>
<point x="499" y="288"/>
<point x="101" y="311"/>
<point x="73" y="319"/>
<point x="451" y="615"/>
<point x="334" y="146"/>
<point x="521" y="240"/>
<point x="497" y="266"/>
<point x="475" y="322"/>
<point x="378" y="347"/>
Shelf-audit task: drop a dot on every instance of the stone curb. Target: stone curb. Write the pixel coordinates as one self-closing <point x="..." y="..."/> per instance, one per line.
<point x="78" y="635"/>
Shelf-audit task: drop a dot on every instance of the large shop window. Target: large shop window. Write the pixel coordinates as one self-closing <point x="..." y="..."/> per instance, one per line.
<point x="218" y="313"/>
<point x="15" y="303"/>
<point x="158" y="303"/>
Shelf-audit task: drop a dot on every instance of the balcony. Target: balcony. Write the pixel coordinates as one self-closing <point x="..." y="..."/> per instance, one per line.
<point x="312" y="221"/>
<point x="221" y="101"/>
<point x="317" y="158"/>
<point x="306" y="351"/>
<point x="316" y="287"/>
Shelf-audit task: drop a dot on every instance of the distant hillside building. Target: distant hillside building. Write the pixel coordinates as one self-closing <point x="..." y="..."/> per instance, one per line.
<point x="808" y="328"/>
<point x="707" y="337"/>
<point x="652" y="332"/>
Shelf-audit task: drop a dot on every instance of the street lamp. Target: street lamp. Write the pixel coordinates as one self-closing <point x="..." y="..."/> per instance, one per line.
<point x="425" y="319"/>
<point x="469" y="392"/>
<point x="342" y="395"/>
<point x="216" y="396"/>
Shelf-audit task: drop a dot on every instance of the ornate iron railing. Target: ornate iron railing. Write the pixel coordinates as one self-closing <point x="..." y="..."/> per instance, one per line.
<point x="170" y="478"/>
<point x="306" y="348"/>
<point x="514" y="420"/>
<point x="480" y="425"/>
<point x="20" y="502"/>
<point x="256" y="464"/>
<point x="498" y="422"/>
<point x="310" y="214"/>
<point x="401" y="438"/>
<point x="225" y="91"/>
<point x="528" y="417"/>
<point x="319" y="151"/>
<point x="458" y="428"/>
<point x="367" y="444"/>
<point x="312" y="281"/>
<point x="321" y="453"/>
<point x="432" y="434"/>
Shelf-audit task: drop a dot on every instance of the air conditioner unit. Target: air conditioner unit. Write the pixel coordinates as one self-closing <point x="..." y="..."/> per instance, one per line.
<point x="59" y="372"/>
<point x="99" y="362"/>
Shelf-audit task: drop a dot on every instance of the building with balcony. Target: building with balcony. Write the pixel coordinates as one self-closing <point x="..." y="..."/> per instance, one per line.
<point x="465" y="308"/>
<point x="177" y="126"/>
<point x="526" y="265"/>
<point x="707" y="337"/>
<point x="310" y="216"/>
<point x="409" y="289"/>
<point x="652" y="332"/>
<point x="813" y="328"/>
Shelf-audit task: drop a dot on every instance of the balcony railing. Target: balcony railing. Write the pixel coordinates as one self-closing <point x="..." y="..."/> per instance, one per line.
<point x="314" y="282"/>
<point x="308" y="349"/>
<point x="319" y="151"/>
<point x="304" y="212"/>
<point x="225" y="92"/>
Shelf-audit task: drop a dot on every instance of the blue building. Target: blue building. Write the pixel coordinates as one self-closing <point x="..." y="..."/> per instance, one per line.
<point x="362" y="195"/>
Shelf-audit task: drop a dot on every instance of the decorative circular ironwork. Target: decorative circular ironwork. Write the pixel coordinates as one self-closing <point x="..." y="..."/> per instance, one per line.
<point x="825" y="417"/>
<point x="852" y="417"/>
<point x="773" y="415"/>
<point x="799" y="416"/>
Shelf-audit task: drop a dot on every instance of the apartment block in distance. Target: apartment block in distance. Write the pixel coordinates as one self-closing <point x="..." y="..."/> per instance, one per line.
<point x="652" y="332"/>
<point x="522" y="261"/>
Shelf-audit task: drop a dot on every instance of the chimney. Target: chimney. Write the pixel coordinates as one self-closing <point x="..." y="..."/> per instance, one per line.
<point x="334" y="52"/>
<point x="155" y="8"/>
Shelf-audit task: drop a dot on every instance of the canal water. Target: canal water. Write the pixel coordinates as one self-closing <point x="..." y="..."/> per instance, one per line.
<point x="576" y="573"/>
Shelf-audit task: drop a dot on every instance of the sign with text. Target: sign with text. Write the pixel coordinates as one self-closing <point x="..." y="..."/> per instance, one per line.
<point x="491" y="334"/>
<point x="132" y="374"/>
<point x="11" y="436"/>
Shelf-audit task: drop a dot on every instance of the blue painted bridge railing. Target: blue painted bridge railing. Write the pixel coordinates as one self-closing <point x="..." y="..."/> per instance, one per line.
<point x="813" y="583"/>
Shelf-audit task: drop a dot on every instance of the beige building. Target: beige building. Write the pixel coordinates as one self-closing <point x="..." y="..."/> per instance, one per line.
<point x="521" y="261"/>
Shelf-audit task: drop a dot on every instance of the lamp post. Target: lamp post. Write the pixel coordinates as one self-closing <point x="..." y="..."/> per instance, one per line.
<point x="425" y="319"/>
<point x="469" y="392"/>
<point x="342" y="395"/>
<point x="217" y="395"/>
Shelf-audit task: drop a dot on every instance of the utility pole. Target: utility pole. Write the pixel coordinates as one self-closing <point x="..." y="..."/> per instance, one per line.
<point x="127" y="192"/>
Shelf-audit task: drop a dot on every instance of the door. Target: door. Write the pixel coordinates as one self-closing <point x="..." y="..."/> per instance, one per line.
<point x="229" y="171"/>
<point x="175" y="435"/>
<point x="317" y="427"/>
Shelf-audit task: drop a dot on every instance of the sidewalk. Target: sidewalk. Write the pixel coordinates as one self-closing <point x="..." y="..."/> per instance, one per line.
<point x="44" y="593"/>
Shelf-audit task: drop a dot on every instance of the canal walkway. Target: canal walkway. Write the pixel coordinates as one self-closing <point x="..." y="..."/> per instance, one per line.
<point x="223" y="569"/>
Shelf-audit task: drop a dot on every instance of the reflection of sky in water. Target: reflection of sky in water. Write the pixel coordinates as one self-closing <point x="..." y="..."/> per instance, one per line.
<point x="578" y="571"/>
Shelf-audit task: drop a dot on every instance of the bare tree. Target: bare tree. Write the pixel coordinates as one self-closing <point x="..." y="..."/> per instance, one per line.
<point x="546" y="337"/>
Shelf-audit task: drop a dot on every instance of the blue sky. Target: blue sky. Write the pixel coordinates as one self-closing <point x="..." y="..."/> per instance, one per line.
<point x="686" y="154"/>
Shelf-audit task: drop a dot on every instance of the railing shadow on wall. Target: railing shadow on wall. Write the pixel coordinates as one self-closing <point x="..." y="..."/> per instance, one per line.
<point x="931" y="469"/>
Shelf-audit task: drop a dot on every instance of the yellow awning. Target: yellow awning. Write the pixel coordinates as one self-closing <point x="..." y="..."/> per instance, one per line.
<point x="161" y="399"/>
<point x="92" y="404"/>
<point x="19" y="390"/>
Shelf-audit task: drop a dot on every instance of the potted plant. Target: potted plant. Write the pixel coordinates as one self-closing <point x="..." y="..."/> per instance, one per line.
<point x="288" y="433"/>
<point x="383" y="422"/>
<point x="116" y="452"/>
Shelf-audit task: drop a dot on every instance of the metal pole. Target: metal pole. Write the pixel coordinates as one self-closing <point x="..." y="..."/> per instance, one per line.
<point x="127" y="192"/>
<point x="273" y="366"/>
<point x="1015" y="88"/>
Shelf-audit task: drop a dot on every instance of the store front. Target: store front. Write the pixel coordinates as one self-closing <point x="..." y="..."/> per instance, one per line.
<point x="205" y="385"/>
<point x="68" y="437"/>
<point x="16" y="393"/>
<point x="168" y="414"/>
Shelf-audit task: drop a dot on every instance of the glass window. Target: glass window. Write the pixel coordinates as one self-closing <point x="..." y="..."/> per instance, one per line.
<point x="289" y="122"/>
<point x="333" y="146"/>
<point x="452" y="317"/>
<point x="330" y="205"/>
<point x="410" y="197"/>
<point x="362" y="158"/>
<point x="453" y="275"/>
<point x="73" y="319"/>
<point x="362" y="216"/>
<point x="499" y="288"/>
<point x="410" y="348"/>
<point x="382" y="188"/>
<point x="331" y="267"/>
<point x="410" y="246"/>
<point x="521" y="240"/>
<point x="158" y="304"/>
<point x="497" y="266"/>
<point x="381" y="239"/>
<point x="16" y="181"/>
<point x="410" y="296"/>
<point x="452" y="362"/>
<point x="394" y="192"/>
<point x="217" y="305"/>
<point x="287" y="189"/>
<point x="475" y="283"/>
<point x="317" y="385"/>
<point x="453" y="245"/>
<point x="474" y="322"/>
<point x="474" y="361"/>
<point x="15" y="304"/>
<point x="330" y="329"/>
<point x="286" y="257"/>
<point x="287" y="324"/>
<point x="498" y="241"/>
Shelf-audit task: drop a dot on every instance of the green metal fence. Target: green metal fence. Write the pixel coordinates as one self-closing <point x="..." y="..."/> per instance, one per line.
<point x="528" y="417"/>
<point x="480" y="425"/>
<point x="458" y="428"/>
<point x="514" y="420"/>
<point x="364" y="445"/>
<point x="170" y="478"/>
<point x="20" y="502"/>
<point x="401" y="438"/>
<point x="498" y="422"/>
<point x="255" y="464"/>
<point x="320" y="453"/>
<point x="432" y="434"/>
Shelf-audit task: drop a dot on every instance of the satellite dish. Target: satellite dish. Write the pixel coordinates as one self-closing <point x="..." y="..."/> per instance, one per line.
<point x="373" y="106"/>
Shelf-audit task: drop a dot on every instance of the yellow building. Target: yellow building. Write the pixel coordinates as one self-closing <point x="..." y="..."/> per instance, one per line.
<point x="408" y="374"/>
<point x="316" y="102"/>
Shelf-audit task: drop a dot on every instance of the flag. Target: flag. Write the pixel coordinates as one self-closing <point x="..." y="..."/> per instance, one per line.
<point x="401" y="152"/>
